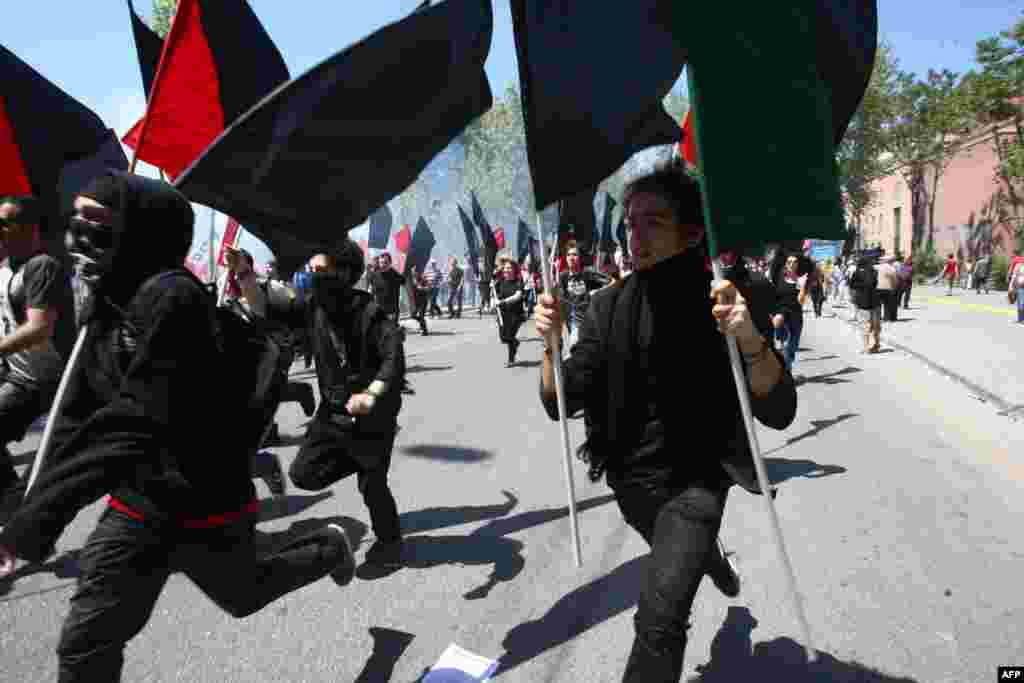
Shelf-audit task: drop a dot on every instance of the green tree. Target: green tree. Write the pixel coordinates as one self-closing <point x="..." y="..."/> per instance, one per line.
<point x="860" y="154"/>
<point x="163" y="12"/>
<point x="924" y="122"/>
<point x="993" y="94"/>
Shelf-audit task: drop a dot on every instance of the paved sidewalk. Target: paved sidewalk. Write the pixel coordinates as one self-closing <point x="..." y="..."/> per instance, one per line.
<point x="972" y="338"/>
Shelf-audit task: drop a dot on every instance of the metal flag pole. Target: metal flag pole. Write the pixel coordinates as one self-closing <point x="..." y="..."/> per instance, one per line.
<point x="563" y="419"/>
<point x="744" y="396"/>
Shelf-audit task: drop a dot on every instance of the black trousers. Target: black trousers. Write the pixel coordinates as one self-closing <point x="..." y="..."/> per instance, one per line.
<point x="485" y="295"/>
<point x="904" y="296"/>
<point x="890" y="302"/>
<point x="817" y="299"/>
<point x="421" y="300"/>
<point x="435" y="310"/>
<point x="455" y="296"/>
<point x="681" y="525"/>
<point x="126" y="562"/>
<point x="331" y="454"/>
<point x="20" y="406"/>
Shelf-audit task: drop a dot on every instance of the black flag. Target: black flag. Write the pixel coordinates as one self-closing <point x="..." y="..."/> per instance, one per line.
<point x="576" y="213"/>
<point x="380" y="228"/>
<point x="486" y="233"/>
<point x="420" y="246"/>
<point x="565" y="58"/>
<point x="148" y="45"/>
<point x="472" y="241"/>
<point x="324" y="150"/>
<point x="523" y="241"/>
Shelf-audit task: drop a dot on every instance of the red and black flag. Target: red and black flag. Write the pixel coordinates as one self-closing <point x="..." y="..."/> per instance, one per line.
<point x="217" y="62"/>
<point x="490" y="242"/>
<point x="323" y="152"/>
<point x="380" y="228"/>
<point x="568" y="50"/>
<point x="422" y="243"/>
<point x="148" y="45"/>
<point x="42" y="129"/>
<point x="472" y="241"/>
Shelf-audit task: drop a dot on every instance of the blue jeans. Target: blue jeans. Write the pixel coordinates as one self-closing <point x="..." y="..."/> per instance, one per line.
<point x="1020" y="304"/>
<point x="789" y="334"/>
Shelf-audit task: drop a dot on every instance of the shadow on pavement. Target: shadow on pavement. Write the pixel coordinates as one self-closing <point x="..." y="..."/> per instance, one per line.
<point x="388" y="647"/>
<point x="527" y="364"/>
<point x="734" y="657"/>
<point x="451" y="453"/>
<point x="64" y="566"/>
<point x="575" y="613"/>
<point x="430" y="519"/>
<point x="525" y="520"/>
<point x="782" y="469"/>
<point x="817" y="427"/>
<point x="25" y="458"/>
<point x="902" y="320"/>
<point x="425" y="552"/>
<point x="811" y="360"/>
<point x="427" y="368"/>
<point x="286" y="506"/>
<point x="832" y="377"/>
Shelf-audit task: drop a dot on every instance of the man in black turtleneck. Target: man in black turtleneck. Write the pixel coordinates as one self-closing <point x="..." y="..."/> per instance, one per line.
<point x="134" y="408"/>
<point x="665" y="419"/>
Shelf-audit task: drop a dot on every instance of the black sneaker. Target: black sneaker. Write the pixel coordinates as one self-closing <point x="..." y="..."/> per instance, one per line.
<point x="345" y="570"/>
<point x="723" y="573"/>
<point x="385" y="555"/>
<point x="274" y="479"/>
<point x="307" y="400"/>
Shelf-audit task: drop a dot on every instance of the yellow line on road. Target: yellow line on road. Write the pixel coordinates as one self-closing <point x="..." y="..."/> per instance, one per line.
<point x="1001" y="310"/>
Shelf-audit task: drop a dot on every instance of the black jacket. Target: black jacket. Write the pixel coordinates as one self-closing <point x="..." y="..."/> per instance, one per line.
<point x="145" y="417"/>
<point x="662" y="404"/>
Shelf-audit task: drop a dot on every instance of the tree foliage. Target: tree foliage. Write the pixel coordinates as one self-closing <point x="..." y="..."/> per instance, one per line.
<point x="163" y="12"/>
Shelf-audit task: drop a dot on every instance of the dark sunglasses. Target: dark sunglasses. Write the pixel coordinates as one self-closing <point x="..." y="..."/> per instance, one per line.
<point x="99" y="235"/>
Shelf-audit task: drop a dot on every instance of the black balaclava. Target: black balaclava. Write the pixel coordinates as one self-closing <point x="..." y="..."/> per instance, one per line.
<point x="153" y="232"/>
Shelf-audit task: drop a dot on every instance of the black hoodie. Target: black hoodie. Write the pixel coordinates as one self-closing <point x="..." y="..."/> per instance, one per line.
<point x="145" y="418"/>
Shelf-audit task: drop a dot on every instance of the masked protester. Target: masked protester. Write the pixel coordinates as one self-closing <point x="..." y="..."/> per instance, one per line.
<point x="420" y="296"/>
<point x="575" y="287"/>
<point x="360" y="367"/>
<point x="508" y="297"/>
<point x="32" y="286"/>
<point x="387" y="284"/>
<point x="670" y="462"/>
<point x="484" y="284"/>
<point x="135" y="408"/>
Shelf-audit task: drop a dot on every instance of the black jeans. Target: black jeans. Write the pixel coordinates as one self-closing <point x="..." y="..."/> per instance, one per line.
<point x="455" y="296"/>
<point x="890" y="302"/>
<point x="126" y="562"/>
<point x="817" y="299"/>
<point x="905" y="295"/>
<point x="19" y="408"/>
<point x="681" y="525"/>
<point x="435" y="310"/>
<point x="329" y="455"/>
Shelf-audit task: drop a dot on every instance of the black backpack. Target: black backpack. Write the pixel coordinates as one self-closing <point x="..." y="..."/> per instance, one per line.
<point x="863" y="285"/>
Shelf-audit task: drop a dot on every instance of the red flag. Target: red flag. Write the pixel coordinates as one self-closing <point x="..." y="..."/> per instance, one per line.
<point x="402" y="238"/>
<point x="231" y="237"/>
<point x="217" y="62"/>
<point x="13" y="176"/>
<point x="499" y="237"/>
<point x="688" y="145"/>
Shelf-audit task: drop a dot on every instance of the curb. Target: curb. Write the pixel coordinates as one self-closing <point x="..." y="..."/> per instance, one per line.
<point x="1006" y="409"/>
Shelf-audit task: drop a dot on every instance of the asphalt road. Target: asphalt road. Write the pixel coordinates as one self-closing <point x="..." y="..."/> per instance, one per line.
<point x="900" y="500"/>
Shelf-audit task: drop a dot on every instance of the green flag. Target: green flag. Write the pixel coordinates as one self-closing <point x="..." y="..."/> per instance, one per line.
<point x="773" y="94"/>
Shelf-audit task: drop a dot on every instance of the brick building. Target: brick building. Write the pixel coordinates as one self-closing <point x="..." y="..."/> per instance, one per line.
<point x="974" y="210"/>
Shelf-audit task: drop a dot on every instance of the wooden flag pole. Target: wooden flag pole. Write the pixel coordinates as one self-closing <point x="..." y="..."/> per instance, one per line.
<point x="563" y="419"/>
<point x="744" y="396"/>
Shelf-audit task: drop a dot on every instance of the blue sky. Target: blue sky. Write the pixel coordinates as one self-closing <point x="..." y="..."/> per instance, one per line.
<point x="86" y="46"/>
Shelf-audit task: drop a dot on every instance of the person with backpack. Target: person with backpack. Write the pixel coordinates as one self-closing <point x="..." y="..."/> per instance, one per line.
<point x="982" y="272"/>
<point x="32" y="286"/>
<point x="135" y="407"/>
<point x="360" y="368"/>
<point x="865" y="297"/>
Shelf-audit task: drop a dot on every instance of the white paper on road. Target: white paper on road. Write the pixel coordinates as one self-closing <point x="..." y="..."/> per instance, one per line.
<point x="458" y="665"/>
